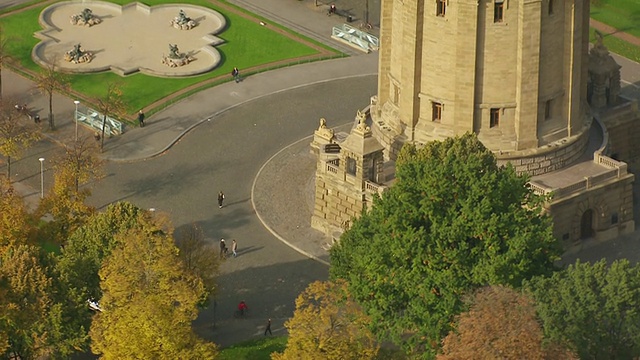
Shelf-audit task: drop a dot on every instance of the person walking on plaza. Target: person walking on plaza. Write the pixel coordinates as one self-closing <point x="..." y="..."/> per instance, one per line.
<point x="268" y="328"/>
<point x="220" y="199"/>
<point x="141" y="118"/>
<point x="234" y="248"/>
<point x="223" y="248"/>
<point x="236" y="74"/>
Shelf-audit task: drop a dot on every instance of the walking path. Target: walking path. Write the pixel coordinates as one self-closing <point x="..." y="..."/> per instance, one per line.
<point x="609" y="30"/>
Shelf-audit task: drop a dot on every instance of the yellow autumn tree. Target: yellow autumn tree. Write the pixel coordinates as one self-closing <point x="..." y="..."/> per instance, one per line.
<point x="149" y="301"/>
<point x="327" y="324"/>
<point x="78" y="165"/>
<point x="500" y="324"/>
<point x="15" y="227"/>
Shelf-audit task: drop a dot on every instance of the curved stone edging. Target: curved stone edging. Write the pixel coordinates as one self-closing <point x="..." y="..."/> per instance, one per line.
<point x="118" y="31"/>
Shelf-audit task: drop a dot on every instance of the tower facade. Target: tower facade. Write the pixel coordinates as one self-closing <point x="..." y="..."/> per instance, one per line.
<point x="514" y="72"/>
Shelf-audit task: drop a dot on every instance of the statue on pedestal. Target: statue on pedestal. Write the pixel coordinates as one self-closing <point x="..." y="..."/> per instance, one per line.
<point x="175" y="57"/>
<point x="183" y="22"/>
<point x="77" y="55"/>
<point x="85" y="18"/>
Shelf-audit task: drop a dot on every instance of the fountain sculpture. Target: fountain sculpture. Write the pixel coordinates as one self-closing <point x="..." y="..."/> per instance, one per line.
<point x="176" y="58"/>
<point x="183" y="22"/>
<point x="77" y="55"/>
<point x="85" y="18"/>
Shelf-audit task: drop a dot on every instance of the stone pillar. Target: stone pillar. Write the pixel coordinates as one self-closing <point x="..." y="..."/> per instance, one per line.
<point x="527" y="74"/>
<point x="465" y="58"/>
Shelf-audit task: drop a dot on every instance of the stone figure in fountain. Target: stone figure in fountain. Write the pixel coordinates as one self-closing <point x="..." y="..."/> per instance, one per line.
<point x="183" y="22"/>
<point x="85" y="18"/>
<point x="77" y="55"/>
<point x="176" y="58"/>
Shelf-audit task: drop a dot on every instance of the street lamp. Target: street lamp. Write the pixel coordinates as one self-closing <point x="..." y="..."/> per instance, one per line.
<point x="41" y="178"/>
<point x="76" y="102"/>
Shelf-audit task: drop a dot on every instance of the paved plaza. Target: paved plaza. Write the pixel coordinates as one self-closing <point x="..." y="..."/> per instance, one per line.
<point x="249" y="140"/>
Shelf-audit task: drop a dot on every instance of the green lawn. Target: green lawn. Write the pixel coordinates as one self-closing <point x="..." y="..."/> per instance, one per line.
<point x="247" y="43"/>
<point x="260" y="349"/>
<point x="623" y="15"/>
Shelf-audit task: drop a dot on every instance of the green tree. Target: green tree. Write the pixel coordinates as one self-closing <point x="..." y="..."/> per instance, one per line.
<point x="148" y="296"/>
<point x="86" y="248"/>
<point x="593" y="309"/>
<point x="328" y="324"/>
<point x="199" y="256"/>
<point x="452" y="222"/>
<point x="500" y="324"/>
<point x="82" y="257"/>
<point x="15" y="135"/>
<point x="110" y="104"/>
<point x="48" y="81"/>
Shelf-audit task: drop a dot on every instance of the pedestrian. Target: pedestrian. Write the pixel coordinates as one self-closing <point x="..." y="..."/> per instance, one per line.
<point x="141" y="118"/>
<point x="268" y="328"/>
<point x="236" y="74"/>
<point x="234" y="248"/>
<point x="223" y="248"/>
<point x="332" y="9"/>
<point x="220" y="199"/>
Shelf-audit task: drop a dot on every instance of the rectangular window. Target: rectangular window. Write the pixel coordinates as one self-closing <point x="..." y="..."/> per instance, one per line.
<point x="351" y="166"/>
<point x="494" y="120"/>
<point x="436" y="111"/>
<point x="396" y="94"/>
<point x="547" y="110"/>
<point x="441" y="7"/>
<point x="550" y="7"/>
<point x="498" y="11"/>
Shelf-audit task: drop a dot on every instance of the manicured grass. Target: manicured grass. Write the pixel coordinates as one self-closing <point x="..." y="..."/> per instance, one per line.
<point x="623" y="15"/>
<point x="247" y="44"/>
<point x="260" y="349"/>
<point x="618" y="46"/>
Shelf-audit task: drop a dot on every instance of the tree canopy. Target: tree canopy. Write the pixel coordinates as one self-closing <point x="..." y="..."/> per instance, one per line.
<point x="592" y="309"/>
<point x="453" y="221"/>
<point x="87" y="247"/>
<point x="148" y="296"/>
<point x="501" y="324"/>
<point x="328" y="324"/>
<point x="30" y="317"/>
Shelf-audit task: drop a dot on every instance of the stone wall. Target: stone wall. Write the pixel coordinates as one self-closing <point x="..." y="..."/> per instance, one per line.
<point x="337" y="201"/>
<point x="611" y="204"/>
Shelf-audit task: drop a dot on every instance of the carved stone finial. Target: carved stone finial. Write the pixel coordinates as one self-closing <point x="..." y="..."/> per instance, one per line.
<point x="361" y="116"/>
<point x="323" y="131"/>
<point x="323" y="124"/>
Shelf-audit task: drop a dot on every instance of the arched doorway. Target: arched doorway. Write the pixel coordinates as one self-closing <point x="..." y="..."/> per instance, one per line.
<point x="586" y="224"/>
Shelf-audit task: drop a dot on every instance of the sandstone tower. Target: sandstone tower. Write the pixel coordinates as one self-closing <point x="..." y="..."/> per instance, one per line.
<point x="515" y="72"/>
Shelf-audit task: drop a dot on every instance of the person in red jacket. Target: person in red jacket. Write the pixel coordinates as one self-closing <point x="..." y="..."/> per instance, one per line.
<point x="242" y="307"/>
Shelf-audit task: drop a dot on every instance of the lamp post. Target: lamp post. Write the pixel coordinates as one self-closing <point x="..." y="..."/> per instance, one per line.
<point x="76" y="102"/>
<point x="41" y="178"/>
